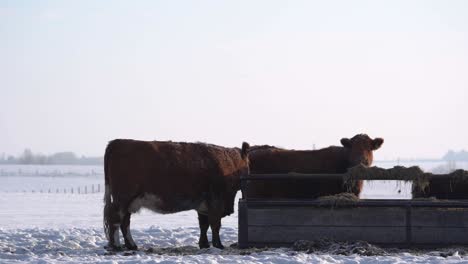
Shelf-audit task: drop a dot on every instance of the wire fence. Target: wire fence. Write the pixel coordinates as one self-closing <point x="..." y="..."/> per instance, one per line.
<point x="48" y="173"/>
<point x="83" y="189"/>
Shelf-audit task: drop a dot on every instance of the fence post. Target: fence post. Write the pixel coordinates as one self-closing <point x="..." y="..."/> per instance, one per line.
<point x="86" y="189"/>
<point x="99" y="188"/>
<point x="78" y="190"/>
<point x="72" y="190"/>
<point x="92" y="188"/>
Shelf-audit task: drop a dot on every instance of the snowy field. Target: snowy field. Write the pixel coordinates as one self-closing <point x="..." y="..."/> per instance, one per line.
<point x="63" y="227"/>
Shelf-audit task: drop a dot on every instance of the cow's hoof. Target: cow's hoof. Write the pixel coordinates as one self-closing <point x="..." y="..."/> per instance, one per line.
<point x="131" y="247"/>
<point x="218" y="245"/>
<point x="204" y="244"/>
<point x="111" y="247"/>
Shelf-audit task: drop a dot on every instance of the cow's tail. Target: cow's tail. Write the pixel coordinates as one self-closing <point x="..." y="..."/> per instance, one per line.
<point x="245" y="149"/>
<point x="107" y="195"/>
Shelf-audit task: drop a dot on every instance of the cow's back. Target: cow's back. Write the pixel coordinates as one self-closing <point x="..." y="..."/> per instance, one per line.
<point x="276" y="160"/>
<point x="172" y="171"/>
<point x="267" y="159"/>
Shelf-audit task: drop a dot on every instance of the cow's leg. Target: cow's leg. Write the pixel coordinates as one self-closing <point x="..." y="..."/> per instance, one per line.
<point x="125" y="227"/>
<point x="215" y="212"/>
<point x="215" y="224"/>
<point x="113" y="226"/>
<point x="204" y="224"/>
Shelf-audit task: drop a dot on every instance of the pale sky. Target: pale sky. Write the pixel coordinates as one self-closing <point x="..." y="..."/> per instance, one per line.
<point x="76" y="74"/>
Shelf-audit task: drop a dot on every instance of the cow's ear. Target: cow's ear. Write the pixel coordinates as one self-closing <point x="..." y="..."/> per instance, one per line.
<point x="376" y="143"/>
<point x="346" y="142"/>
<point x="245" y="149"/>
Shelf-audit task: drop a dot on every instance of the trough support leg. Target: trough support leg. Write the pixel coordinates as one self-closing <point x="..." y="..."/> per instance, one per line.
<point x="408" y="226"/>
<point x="243" y="224"/>
<point x="125" y="227"/>
<point x="204" y="225"/>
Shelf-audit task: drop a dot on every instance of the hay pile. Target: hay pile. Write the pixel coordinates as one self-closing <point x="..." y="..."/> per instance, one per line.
<point x="396" y="173"/>
<point x="375" y="173"/>
<point x="413" y="174"/>
<point x="337" y="200"/>
<point x="420" y="179"/>
<point x="191" y="250"/>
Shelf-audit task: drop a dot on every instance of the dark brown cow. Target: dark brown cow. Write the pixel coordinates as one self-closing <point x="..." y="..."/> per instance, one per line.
<point x="453" y="187"/>
<point x="267" y="159"/>
<point x="169" y="177"/>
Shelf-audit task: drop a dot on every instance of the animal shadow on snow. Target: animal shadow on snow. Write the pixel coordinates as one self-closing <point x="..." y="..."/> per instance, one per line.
<point x="188" y="250"/>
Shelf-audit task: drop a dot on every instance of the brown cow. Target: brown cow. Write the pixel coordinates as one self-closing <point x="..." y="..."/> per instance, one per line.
<point x="453" y="186"/>
<point x="268" y="159"/>
<point x="169" y="177"/>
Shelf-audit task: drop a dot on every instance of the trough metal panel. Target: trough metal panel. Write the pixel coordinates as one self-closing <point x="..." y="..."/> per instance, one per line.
<point x="399" y="223"/>
<point x="274" y="222"/>
<point x="290" y="234"/>
<point x="334" y="176"/>
<point x="439" y="217"/>
<point x="262" y="203"/>
<point x="243" y="224"/>
<point x="440" y="235"/>
<point x="310" y="216"/>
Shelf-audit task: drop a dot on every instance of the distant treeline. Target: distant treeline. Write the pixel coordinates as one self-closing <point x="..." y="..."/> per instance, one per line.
<point x="70" y="158"/>
<point x="456" y="156"/>
<point x="59" y="158"/>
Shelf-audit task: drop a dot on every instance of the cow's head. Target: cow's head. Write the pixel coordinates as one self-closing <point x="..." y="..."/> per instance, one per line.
<point x="233" y="183"/>
<point x="360" y="149"/>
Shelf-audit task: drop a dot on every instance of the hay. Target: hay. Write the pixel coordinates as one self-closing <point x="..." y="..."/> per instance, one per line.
<point x="338" y="248"/>
<point x="400" y="173"/>
<point x="420" y="179"/>
<point x="413" y="174"/>
<point x="459" y="176"/>
<point x="191" y="250"/>
<point x="337" y="200"/>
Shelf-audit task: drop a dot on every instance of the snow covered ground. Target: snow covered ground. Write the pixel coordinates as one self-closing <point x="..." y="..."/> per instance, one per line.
<point x="67" y="228"/>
